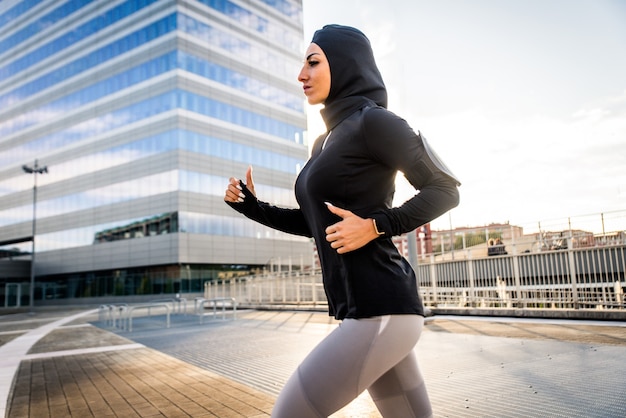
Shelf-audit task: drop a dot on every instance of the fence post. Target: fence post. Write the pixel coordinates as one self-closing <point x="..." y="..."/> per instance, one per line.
<point x="517" y="278"/>
<point x="284" y="290"/>
<point x="433" y="279"/>
<point x="572" y="272"/>
<point x="470" y="276"/>
<point x="298" y="286"/>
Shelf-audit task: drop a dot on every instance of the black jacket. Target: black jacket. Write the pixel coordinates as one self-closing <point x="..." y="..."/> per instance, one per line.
<point x="356" y="171"/>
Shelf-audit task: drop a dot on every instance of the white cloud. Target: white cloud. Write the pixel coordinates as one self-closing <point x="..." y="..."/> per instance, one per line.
<point x="535" y="168"/>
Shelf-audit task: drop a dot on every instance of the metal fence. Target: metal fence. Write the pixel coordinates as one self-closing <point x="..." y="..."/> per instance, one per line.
<point x="274" y="289"/>
<point x="568" y="278"/>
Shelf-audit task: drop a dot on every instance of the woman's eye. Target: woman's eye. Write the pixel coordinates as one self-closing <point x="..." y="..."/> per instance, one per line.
<point x="313" y="63"/>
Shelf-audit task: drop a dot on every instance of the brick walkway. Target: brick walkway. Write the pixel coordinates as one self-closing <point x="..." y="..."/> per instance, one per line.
<point x="129" y="383"/>
<point x="71" y="368"/>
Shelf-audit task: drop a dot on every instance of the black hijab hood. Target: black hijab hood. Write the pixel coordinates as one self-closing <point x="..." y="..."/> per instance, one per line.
<point x="355" y="79"/>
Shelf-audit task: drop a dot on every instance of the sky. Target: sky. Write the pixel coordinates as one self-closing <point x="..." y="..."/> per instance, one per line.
<point x="525" y="100"/>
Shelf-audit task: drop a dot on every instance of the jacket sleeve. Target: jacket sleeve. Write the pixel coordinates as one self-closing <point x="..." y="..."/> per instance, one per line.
<point x="286" y="220"/>
<point x="392" y="142"/>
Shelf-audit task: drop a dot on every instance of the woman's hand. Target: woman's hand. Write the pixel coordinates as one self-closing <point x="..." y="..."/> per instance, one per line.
<point x="351" y="233"/>
<point x="234" y="192"/>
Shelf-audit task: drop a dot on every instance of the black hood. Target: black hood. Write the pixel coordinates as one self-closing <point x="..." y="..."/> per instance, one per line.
<point x="355" y="79"/>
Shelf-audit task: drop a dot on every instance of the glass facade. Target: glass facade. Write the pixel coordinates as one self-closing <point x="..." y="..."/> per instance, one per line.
<point x="141" y="110"/>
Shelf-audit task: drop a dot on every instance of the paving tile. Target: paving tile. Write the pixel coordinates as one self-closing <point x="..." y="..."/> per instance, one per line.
<point x="146" y="409"/>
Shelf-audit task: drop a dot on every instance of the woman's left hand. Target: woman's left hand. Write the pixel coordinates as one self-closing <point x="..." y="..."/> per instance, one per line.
<point x="351" y="233"/>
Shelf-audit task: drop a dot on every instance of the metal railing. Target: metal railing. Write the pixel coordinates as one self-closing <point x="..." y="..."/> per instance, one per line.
<point x="179" y="305"/>
<point x="120" y="315"/>
<point x="222" y="302"/>
<point x="275" y="289"/>
<point x="570" y="278"/>
<point x="112" y="314"/>
<point x="128" y="324"/>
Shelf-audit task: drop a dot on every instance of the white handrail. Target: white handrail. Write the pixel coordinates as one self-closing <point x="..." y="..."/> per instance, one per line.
<point x="105" y="313"/>
<point x="129" y="313"/>
<point x="176" y="302"/>
<point x="214" y="301"/>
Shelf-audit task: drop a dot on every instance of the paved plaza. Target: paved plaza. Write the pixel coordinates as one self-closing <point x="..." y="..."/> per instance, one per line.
<point x="69" y="363"/>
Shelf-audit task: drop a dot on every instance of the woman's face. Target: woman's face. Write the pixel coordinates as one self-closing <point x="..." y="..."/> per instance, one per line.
<point x="315" y="75"/>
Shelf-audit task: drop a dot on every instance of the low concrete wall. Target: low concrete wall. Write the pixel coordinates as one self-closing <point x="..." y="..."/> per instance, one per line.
<point x="588" y="314"/>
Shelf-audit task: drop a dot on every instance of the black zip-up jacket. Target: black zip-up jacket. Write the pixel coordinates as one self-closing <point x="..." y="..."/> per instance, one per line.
<point x="356" y="171"/>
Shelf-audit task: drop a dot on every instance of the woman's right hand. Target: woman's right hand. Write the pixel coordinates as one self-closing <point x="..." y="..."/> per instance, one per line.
<point x="234" y="192"/>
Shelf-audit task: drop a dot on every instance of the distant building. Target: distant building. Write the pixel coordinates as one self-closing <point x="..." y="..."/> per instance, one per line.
<point x="423" y="242"/>
<point x="141" y="110"/>
<point x="464" y="237"/>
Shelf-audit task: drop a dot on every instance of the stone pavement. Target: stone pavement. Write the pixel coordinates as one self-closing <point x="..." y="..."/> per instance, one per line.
<point x="68" y="364"/>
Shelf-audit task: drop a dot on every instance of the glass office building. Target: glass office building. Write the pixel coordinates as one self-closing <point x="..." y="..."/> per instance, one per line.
<point x="140" y="110"/>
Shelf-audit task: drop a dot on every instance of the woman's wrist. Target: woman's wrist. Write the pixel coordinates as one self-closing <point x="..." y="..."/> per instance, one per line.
<point x="376" y="230"/>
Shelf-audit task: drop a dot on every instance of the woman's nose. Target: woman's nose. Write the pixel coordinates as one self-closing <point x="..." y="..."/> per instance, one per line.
<point x="302" y="76"/>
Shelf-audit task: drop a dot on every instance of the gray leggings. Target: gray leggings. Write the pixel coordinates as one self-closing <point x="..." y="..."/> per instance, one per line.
<point x="374" y="354"/>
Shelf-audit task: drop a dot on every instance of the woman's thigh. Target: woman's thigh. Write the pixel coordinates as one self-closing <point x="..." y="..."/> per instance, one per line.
<point x="346" y="362"/>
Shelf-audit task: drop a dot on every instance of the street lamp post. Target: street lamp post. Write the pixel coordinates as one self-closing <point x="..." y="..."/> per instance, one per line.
<point x="34" y="170"/>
